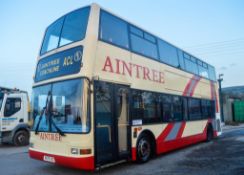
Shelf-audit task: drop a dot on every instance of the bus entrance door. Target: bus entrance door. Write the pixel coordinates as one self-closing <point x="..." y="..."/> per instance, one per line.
<point x="122" y="117"/>
<point x="112" y="122"/>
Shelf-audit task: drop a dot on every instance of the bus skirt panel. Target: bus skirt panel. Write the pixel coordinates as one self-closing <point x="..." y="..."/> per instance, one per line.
<point x="163" y="146"/>
<point x="84" y="163"/>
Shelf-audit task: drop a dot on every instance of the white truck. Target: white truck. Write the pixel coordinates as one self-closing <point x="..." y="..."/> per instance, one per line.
<point x="14" y="117"/>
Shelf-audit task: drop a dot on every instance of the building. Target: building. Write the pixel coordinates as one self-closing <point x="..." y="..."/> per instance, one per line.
<point x="230" y="95"/>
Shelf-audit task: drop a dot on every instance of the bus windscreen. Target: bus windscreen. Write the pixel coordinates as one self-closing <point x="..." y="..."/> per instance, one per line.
<point x="68" y="112"/>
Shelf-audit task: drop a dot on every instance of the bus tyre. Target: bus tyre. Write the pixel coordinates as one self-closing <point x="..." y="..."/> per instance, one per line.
<point x="209" y="134"/>
<point x="21" y="138"/>
<point x="143" y="149"/>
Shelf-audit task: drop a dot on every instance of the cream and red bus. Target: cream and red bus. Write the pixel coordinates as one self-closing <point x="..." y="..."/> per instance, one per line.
<point x="106" y="90"/>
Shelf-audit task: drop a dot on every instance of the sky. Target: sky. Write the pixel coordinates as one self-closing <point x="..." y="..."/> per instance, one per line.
<point x="212" y="30"/>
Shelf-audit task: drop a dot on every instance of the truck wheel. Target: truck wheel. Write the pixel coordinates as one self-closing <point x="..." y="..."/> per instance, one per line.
<point x="21" y="138"/>
<point x="144" y="149"/>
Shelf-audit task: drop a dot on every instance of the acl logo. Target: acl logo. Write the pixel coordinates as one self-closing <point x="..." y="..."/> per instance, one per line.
<point x="77" y="56"/>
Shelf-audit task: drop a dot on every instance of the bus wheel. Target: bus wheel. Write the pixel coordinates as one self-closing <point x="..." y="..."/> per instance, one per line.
<point x="144" y="149"/>
<point x="21" y="138"/>
<point x="209" y="134"/>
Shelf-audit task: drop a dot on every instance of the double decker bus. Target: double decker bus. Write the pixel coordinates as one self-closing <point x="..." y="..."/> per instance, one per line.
<point x="106" y="91"/>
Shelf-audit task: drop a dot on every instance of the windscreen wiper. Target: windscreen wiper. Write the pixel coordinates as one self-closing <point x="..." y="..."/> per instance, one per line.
<point x="48" y="108"/>
<point x="55" y="126"/>
<point x="43" y="110"/>
<point x="50" y="117"/>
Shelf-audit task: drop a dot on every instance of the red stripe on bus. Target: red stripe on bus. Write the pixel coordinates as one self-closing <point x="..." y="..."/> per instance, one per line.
<point x="84" y="163"/>
<point x="163" y="147"/>
<point x="194" y="86"/>
<point x="185" y="92"/>
<point x="164" y="134"/>
<point x="191" y="86"/>
<point x="179" y="135"/>
<point x="180" y="143"/>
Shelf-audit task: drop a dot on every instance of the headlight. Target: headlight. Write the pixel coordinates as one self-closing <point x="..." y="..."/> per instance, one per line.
<point x="80" y="151"/>
<point x="74" y="151"/>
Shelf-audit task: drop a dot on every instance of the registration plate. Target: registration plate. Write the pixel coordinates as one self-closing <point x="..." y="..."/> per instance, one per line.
<point x="49" y="159"/>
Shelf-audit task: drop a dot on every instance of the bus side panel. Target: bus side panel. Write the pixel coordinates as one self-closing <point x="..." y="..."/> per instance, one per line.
<point x="166" y="146"/>
<point x="175" y="135"/>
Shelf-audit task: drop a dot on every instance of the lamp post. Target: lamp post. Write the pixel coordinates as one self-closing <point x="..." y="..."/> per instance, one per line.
<point x="221" y="97"/>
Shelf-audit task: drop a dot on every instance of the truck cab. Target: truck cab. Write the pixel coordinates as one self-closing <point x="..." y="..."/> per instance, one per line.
<point x="14" y="117"/>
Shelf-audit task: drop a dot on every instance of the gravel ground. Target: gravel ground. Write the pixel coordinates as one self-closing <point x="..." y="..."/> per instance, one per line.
<point x="223" y="156"/>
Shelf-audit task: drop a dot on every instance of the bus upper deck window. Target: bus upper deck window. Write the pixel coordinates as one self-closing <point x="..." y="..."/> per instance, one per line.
<point x="66" y="30"/>
<point x="51" y="38"/>
<point x="74" y="28"/>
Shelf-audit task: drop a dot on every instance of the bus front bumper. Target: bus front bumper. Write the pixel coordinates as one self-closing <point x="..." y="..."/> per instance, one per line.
<point x="84" y="163"/>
